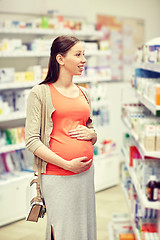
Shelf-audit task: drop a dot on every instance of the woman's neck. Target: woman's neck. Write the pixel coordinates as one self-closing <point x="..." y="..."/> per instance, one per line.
<point x="64" y="80"/>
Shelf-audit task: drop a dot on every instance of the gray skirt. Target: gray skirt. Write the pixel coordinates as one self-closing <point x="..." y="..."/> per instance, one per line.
<point x="70" y="204"/>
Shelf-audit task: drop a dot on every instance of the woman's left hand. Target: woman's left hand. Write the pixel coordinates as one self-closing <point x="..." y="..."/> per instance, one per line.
<point x="82" y="133"/>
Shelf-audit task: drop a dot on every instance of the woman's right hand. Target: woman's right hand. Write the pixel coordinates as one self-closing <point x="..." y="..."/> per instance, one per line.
<point x="78" y="165"/>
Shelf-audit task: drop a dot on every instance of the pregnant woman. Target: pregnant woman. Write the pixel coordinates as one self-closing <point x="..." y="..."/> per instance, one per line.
<point x="67" y="150"/>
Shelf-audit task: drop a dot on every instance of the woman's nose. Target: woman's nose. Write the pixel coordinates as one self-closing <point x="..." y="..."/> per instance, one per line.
<point x="84" y="60"/>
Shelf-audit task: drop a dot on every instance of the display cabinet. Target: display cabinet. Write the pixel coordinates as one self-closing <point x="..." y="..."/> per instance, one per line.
<point x="145" y="161"/>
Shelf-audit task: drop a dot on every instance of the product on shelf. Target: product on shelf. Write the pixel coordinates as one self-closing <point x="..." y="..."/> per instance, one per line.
<point x="12" y="136"/>
<point x="104" y="44"/>
<point x="9" y="46"/>
<point x="149" y="52"/>
<point x="14" y="163"/>
<point x="91" y="45"/>
<point x="152" y="188"/>
<point x="51" y="21"/>
<point x="105" y="147"/>
<point x="126" y="180"/>
<point x="121" y="226"/>
<point x="100" y="104"/>
<point x="142" y="168"/>
<point x="37" y="71"/>
<point x="133" y="155"/>
<point x="147" y="75"/>
<point x="146" y="220"/>
<point x="13" y="101"/>
<point x="149" y="87"/>
<point x="23" y="76"/>
<point x="6" y="75"/>
<point x="127" y="236"/>
<point x="144" y="125"/>
<point x="9" y="75"/>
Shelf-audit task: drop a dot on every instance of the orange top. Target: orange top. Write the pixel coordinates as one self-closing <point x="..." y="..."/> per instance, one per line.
<point x="68" y="114"/>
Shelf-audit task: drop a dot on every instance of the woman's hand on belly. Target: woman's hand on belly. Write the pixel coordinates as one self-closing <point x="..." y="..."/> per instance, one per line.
<point x="78" y="165"/>
<point x="81" y="133"/>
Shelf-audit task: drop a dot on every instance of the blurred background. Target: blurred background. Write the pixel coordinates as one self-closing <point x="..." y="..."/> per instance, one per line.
<point x="122" y="74"/>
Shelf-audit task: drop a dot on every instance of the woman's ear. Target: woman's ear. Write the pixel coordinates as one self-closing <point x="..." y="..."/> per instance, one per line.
<point x="60" y="59"/>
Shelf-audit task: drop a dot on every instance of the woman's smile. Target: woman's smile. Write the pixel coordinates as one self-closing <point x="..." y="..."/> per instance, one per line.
<point x="81" y="67"/>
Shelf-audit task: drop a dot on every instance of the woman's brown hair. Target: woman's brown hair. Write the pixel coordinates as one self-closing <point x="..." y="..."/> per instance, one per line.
<point x="60" y="45"/>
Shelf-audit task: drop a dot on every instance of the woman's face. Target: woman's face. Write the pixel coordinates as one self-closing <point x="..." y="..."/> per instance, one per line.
<point x="74" y="60"/>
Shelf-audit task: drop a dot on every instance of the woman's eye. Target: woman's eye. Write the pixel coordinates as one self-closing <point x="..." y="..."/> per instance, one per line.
<point x="78" y="54"/>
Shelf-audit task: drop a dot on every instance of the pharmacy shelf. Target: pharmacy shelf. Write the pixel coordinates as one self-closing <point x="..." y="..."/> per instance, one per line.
<point x="8" y="178"/>
<point x="155" y="67"/>
<point x="136" y="232"/>
<point x="77" y="80"/>
<point x="148" y="104"/>
<point x="145" y="203"/>
<point x="17" y="54"/>
<point x="141" y="148"/>
<point x="139" y="145"/>
<point x="126" y="122"/>
<point x="126" y="198"/>
<point x="16" y="85"/>
<point x="53" y="32"/>
<point x="14" y="119"/>
<point x="91" y="79"/>
<point x="111" y="232"/>
<point x="12" y="147"/>
<point x="12" y="116"/>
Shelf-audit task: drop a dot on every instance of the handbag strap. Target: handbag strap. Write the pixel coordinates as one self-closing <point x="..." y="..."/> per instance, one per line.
<point x="42" y="139"/>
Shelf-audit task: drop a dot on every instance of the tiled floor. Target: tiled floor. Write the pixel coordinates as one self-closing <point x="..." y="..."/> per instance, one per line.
<point x="107" y="202"/>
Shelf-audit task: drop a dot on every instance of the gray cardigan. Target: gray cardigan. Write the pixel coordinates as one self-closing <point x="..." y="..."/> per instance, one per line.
<point x="33" y="120"/>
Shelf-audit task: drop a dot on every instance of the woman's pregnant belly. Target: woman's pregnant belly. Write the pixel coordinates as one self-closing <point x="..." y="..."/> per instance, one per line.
<point x="69" y="148"/>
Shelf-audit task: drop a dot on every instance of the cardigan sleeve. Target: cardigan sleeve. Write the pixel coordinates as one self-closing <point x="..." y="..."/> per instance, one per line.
<point x="33" y="119"/>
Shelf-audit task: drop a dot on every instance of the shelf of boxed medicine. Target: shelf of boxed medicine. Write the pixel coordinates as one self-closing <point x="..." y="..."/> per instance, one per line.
<point x="77" y="80"/>
<point x="131" y="215"/>
<point x="155" y="109"/>
<point x="121" y="227"/>
<point x="155" y="67"/>
<point x="145" y="203"/>
<point x="4" y="54"/>
<point x="141" y="148"/>
<point x="129" y="200"/>
<point x="52" y="32"/>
